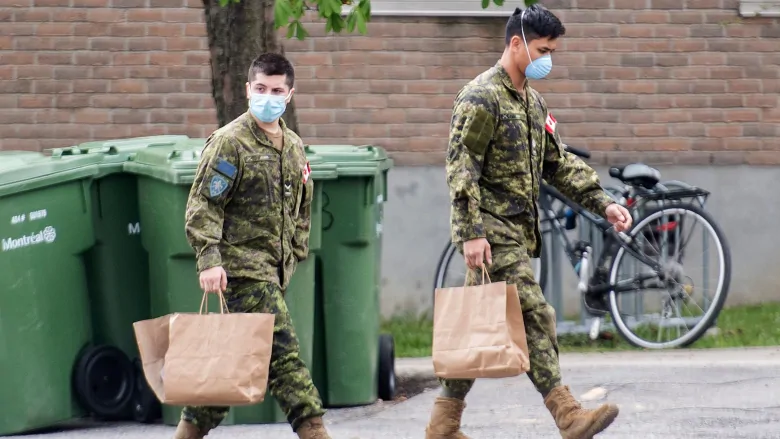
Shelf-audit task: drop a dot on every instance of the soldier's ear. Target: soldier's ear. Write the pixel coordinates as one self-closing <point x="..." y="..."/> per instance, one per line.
<point x="248" y="90"/>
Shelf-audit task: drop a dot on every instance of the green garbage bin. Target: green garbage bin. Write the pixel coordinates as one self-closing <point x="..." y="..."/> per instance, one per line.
<point x="45" y="228"/>
<point x="165" y="175"/>
<point x="117" y="278"/>
<point x="359" y="362"/>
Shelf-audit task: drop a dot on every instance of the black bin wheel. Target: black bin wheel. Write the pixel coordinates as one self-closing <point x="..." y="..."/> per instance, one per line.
<point x="103" y="381"/>
<point x="146" y="408"/>
<point x="386" y="390"/>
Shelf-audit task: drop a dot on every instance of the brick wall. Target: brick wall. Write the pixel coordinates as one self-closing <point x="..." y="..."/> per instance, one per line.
<point x="696" y="85"/>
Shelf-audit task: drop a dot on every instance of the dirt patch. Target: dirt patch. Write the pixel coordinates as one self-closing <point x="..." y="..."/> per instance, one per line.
<point x="410" y="386"/>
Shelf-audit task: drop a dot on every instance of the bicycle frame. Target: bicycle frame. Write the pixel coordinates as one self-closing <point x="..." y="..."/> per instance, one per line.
<point x="547" y="192"/>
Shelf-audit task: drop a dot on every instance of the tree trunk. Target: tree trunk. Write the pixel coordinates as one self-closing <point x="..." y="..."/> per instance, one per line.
<point x="237" y="34"/>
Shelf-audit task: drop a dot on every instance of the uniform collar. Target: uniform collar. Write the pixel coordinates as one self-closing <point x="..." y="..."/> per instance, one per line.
<point x="507" y="81"/>
<point x="260" y="135"/>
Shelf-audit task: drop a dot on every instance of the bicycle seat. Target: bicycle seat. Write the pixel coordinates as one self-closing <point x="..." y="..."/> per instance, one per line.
<point x="636" y="174"/>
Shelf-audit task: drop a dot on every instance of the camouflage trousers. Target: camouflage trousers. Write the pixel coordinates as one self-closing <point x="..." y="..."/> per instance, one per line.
<point x="512" y="264"/>
<point x="289" y="381"/>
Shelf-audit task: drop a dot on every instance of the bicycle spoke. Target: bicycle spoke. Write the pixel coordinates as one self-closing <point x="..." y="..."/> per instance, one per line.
<point x="678" y="318"/>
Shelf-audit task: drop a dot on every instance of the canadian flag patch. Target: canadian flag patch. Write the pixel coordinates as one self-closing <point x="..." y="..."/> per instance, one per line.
<point x="550" y="123"/>
<point x="306" y="172"/>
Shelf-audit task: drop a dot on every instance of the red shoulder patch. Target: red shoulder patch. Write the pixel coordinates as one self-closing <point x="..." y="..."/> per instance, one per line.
<point x="550" y="123"/>
<point x="306" y="172"/>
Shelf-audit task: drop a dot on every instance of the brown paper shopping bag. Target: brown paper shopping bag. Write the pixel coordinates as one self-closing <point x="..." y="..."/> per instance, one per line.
<point x="207" y="359"/>
<point x="478" y="332"/>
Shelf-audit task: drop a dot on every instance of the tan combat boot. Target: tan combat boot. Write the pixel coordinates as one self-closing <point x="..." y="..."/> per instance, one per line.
<point x="445" y="419"/>
<point x="186" y="430"/>
<point x="572" y="420"/>
<point x="313" y="428"/>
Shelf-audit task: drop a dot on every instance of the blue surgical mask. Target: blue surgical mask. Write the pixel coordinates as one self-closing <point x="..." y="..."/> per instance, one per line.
<point x="541" y="67"/>
<point x="267" y="108"/>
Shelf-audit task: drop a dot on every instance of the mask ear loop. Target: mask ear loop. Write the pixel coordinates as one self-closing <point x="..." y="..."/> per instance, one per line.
<point x="522" y="32"/>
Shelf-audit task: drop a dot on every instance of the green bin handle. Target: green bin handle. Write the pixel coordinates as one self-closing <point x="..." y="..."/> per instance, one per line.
<point x="186" y="154"/>
<point x="75" y="150"/>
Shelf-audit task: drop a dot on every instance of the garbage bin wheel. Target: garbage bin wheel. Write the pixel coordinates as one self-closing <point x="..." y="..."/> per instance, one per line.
<point x="103" y="380"/>
<point x="386" y="390"/>
<point x="146" y="406"/>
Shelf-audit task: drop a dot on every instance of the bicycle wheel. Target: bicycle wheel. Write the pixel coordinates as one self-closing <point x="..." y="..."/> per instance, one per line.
<point x="451" y="269"/>
<point x="660" y="235"/>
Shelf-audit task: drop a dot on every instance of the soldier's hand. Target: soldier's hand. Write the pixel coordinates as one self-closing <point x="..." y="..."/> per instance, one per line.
<point x="476" y="252"/>
<point x="213" y="280"/>
<point x="619" y="217"/>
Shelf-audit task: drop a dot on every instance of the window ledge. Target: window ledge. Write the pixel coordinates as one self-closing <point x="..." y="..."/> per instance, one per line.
<point x="759" y="8"/>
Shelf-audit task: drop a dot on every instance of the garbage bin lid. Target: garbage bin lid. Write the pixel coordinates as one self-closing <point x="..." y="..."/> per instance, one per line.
<point x="355" y="160"/>
<point x="119" y="150"/>
<point x="27" y="170"/>
<point x="320" y="169"/>
<point x="175" y="162"/>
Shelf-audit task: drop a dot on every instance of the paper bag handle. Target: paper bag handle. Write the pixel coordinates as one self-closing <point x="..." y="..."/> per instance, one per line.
<point x="484" y="274"/>
<point x="222" y="304"/>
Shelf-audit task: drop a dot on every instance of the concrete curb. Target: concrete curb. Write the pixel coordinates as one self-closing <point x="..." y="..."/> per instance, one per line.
<point x="422" y="368"/>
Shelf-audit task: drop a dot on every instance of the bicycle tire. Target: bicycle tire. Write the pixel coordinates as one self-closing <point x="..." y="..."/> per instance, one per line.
<point x="710" y="316"/>
<point x="450" y="250"/>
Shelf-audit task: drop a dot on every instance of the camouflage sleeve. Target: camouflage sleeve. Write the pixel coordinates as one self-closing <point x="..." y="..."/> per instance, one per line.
<point x="303" y="224"/>
<point x="474" y="119"/>
<point x="214" y="184"/>
<point x="571" y="175"/>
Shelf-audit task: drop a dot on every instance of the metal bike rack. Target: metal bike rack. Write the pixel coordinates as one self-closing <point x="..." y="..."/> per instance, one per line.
<point x="588" y="232"/>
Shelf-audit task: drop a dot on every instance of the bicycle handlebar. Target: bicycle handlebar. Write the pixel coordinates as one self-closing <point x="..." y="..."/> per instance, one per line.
<point x="578" y="152"/>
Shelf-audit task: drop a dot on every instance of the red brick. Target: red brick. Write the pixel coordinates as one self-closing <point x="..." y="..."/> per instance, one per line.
<point x="17" y="58"/>
<point x="128" y="30"/>
<point x="101" y="15"/>
<point x="183" y="16"/>
<point x="145" y="15"/>
<point x="55" y="29"/>
<point x="31" y="15"/>
<point x="36" y="101"/>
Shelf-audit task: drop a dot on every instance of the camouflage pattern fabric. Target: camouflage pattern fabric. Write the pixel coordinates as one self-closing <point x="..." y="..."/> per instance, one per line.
<point x="501" y="146"/>
<point x="512" y="264"/>
<point x="249" y="206"/>
<point x="289" y="380"/>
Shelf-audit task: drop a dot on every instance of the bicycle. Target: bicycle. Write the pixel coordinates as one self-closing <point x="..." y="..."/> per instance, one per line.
<point x="665" y="212"/>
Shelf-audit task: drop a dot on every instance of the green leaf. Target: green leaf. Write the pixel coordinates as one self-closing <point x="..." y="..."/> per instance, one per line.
<point x="336" y="23"/>
<point x="361" y="24"/>
<point x="365" y="7"/>
<point x="297" y="8"/>
<point x="485" y="4"/>
<point x="291" y="30"/>
<point x="531" y="2"/>
<point x="351" y="21"/>
<point x="324" y="8"/>
<point x="301" y="31"/>
<point x="335" y="6"/>
<point x="499" y="2"/>
<point x="282" y="12"/>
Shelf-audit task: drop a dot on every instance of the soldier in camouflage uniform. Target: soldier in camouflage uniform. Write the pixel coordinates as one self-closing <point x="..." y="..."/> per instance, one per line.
<point x="503" y="142"/>
<point x="248" y="218"/>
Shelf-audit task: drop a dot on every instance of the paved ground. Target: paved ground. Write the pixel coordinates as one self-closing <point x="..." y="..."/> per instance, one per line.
<point x="670" y="395"/>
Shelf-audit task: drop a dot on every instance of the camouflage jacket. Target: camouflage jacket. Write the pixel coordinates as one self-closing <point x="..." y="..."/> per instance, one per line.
<point x="500" y="147"/>
<point x="249" y="206"/>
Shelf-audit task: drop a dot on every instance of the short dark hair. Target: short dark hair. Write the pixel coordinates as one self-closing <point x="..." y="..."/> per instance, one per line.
<point x="537" y="22"/>
<point x="272" y="64"/>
